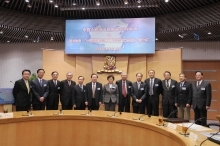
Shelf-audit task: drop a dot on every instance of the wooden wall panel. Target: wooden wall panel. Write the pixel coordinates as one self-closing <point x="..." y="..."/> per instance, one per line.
<point x="211" y="72"/>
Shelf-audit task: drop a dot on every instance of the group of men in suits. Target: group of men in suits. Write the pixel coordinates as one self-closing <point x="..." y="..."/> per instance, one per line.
<point x="175" y="96"/>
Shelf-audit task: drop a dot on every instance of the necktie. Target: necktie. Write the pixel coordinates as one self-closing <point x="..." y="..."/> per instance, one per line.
<point x="55" y="83"/>
<point x="168" y="85"/>
<point x="138" y="85"/>
<point x="198" y="84"/>
<point x="93" y="90"/>
<point x="27" y="85"/>
<point x="181" y="85"/>
<point x="40" y="82"/>
<point x="151" y="87"/>
<point x="81" y="88"/>
<point x="69" y="83"/>
<point x="124" y="90"/>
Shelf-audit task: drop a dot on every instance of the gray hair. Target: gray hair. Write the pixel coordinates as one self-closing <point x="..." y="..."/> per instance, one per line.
<point x="69" y="73"/>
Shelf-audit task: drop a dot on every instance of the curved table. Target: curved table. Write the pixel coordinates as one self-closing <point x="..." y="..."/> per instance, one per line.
<point x="72" y="128"/>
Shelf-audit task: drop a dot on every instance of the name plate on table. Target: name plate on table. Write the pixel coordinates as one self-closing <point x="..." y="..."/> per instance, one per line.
<point x="193" y="136"/>
<point x="172" y="126"/>
<point x="6" y="115"/>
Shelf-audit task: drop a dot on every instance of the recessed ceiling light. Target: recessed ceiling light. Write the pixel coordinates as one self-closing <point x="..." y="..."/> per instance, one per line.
<point x="34" y="41"/>
<point x="56" y="5"/>
<point x="125" y="2"/>
<point x="209" y="33"/>
<point x="51" y="38"/>
<point x="29" y="6"/>
<point x="27" y="1"/>
<point x="51" y="1"/>
<point x="8" y="41"/>
<point x="7" y="1"/>
<point x="26" y="36"/>
<point x="156" y="39"/>
<point x="139" y="6"/>
<point x="166" y="1"/>
<point x="74" y="4"/>
<point x="1" y="32"/>
<point x="83" y="8"/>
<point x="139" y="1"/>
<point x="97" y="3"/>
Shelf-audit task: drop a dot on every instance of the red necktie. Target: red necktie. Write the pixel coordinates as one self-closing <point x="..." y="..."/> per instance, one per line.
<point x="124" y="90"/>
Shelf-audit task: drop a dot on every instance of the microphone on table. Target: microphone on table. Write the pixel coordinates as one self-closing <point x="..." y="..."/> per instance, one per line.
<point x="193" y="124"/>
<point x="169" y="116"/>
<point x="114" y="114"/>
<point x="28" y="113"/>
<point x="89" y="112"/>
<point x="211" y="139"/>
<point x="139" y="119"/>
<point x="59" y="113"/>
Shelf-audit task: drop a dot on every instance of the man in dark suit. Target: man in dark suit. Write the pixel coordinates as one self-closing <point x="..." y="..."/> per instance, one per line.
<point x="138" y="94"/>
<point x="21" y="92"/>
<point x="80" y="95"/>
<point x="66" y="92"/>
<point x="168" y="95"/>
<point x="40" y="91"/>
<point x="183" y="97"/>
<point x="94" y="93"/>
<point x="154" y="87"/>
<point x="53" y="97"/>
<point x="124" y="89"/>
<point x="201" y="98"/>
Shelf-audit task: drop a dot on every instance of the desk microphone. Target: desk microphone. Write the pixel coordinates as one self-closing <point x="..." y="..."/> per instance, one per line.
<point x="169" y="116"/>
<point x="114" y="114"/>
<point x="28" y="113"/>
<point x="12" y="82"/>
<point x="139" y="119"/>
<point x="211" y="139"/>
<point x="59" y="113"/>
<point x="193" y="124"/>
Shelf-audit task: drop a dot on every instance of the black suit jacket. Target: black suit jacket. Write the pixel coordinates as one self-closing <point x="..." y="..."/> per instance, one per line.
<point x="53" y="96"/>
<point x="128" y="85"/>
<point x="138" y="94"/>
<point x="157" y="88"/>
<point x="184" y="95"/>
<point x="20" y="93"/>
<point x="168" y="95"/>
<point x="79" y="97"/>
<point x="38" y="91"/>
<point x="66" y="92"/>
<point x="201" y="97"/>
<point x="98" y="93"/>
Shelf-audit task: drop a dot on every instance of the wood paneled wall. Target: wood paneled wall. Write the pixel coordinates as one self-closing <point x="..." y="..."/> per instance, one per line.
<point x="211" y="71"/>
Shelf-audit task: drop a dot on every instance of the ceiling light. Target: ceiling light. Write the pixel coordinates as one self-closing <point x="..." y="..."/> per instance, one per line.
<point x="56" y="5"/>
<point x="209" y="33"/>
<point x="7" y="1"/>
<point x="27" y="1"/>
<point x="34" y="41"/>
<point x="1" y="32"/>
<point x="26" y="36"/>
<point x="139" y="1"/>
<point x="29" y="6"/>
<point x="8" y="41"/>
<point x="51" y="1"/>
<point x="181" y="36"/>
<point x="139" y="6"/>
<point x="97" y="3"/>
<point x="156" y="39"/>
<point x="51" y="38"/>
<point x="83" y="8"/>
<point x="125" y="2"/>
<point x="74" y="4"/>
<point x="166" y="1"/>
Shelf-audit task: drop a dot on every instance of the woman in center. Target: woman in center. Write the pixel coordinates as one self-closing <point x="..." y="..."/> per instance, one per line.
<point x="110" y="94"/>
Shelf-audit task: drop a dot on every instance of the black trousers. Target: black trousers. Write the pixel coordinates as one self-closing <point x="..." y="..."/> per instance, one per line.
<point x="93" y="105"/>
<point x="81" y="107"/>
<point x="40" y="106"/>
<point x="22" y="108"/>
<point x="139" y="109"/>
<point x="124" y="106"/>
<point x="199" y="114"/>
<point x="153" y="106"/>
<point x="52" y="107"/>
<point x="167" y="109"/>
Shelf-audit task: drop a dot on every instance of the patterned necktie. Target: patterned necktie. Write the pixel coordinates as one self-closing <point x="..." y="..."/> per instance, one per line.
<point x="27" y="85"/>
<point x="93" y="90"/>
<point x="198" y="84"/>
<point x="124" y="90"/>
<point x="168" y="85"/>
<point x="151" y="87"/>
<point x="181" y="85"/>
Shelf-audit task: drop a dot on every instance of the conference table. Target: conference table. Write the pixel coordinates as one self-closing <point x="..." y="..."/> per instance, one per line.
<point x="74" y="127"/>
